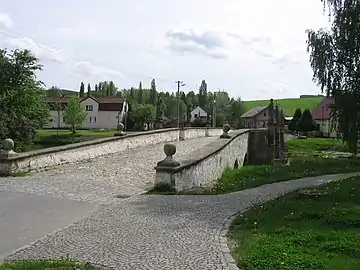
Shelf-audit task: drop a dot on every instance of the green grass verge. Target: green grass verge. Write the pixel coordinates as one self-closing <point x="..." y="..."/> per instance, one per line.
<point x="295" y="232"/>
<point x="300" y="167"/>
<point x="313" y="146"/>
<point x="52" y="137"/>
<point x="289" y="104"/>
<point x="62" y="264"/>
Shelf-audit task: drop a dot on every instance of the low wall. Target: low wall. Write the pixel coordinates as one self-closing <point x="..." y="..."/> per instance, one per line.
<point x="204" y="166"/>
<point x="11" y="162"/>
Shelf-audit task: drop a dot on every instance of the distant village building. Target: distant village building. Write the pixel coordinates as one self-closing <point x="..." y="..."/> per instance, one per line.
<point x="198" y="113"/>
<point x="102" y="112"/>
<point x="255" y="118"/>
<point x="321" y="115"/>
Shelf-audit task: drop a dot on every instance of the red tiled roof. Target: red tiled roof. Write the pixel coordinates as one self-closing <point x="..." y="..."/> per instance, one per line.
<point x="322" y="111"/>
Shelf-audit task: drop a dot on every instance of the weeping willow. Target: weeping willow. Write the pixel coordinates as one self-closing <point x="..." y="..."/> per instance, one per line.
<point x="335" y="60"/>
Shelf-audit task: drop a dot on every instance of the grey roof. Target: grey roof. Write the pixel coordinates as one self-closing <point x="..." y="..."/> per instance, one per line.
<point x="253" y="112"/>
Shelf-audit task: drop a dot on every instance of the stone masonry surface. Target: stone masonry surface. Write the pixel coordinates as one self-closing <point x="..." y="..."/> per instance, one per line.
<point x="160" y="232"/>
<point x="99" y="180"/>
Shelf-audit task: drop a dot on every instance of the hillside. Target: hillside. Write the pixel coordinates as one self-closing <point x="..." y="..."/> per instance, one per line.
<point x="288" y="104"/>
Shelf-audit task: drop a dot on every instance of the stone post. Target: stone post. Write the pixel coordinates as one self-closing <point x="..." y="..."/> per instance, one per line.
<point x="168" y="161"/>
<point x="120" y="128"/>
<point x="282" y="134"/>
<point x="270" y="130"/>
<point x="277" y="132"/>
<point x="225" y="134"/>
<point x="6" y="153"/>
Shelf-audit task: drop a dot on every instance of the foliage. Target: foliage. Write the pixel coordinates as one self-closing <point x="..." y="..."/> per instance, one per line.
<point x="203" y="94"/>
<point x="62" y="264"/>
<point x="153" y="93"/>
<point x="335" y="60"/>
<point x="288" y="104"/>
<point x="293" y="123"/>
<point x="82" y="90"/>
<point x="140" y="94"/>
<point x="143" y="113"/>
<point x="22" y="109"/>
<point x="74" y="114"/>
<point x="302" y="233"/>
<point x="306" y="122"/>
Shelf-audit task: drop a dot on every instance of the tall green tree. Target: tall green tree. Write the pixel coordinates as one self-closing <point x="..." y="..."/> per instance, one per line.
<point x="82" y="90"/>
<point x="96" y="88"/>
<point x="140" y="98"/>
<point x="335" y="61"/>
<point x="306" y="122"/>
<point x="297" y="115"/>
<point x="74" y="114"/>
<point x="88" y="90"/>
<point x="22" y="106"/>
<point x="203" y="94"/>
<point x="153" y="93"/>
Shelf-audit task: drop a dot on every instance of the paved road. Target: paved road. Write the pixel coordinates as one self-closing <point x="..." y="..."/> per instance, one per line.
<point x="160" y="232"/>
<point x="36" y="205"/>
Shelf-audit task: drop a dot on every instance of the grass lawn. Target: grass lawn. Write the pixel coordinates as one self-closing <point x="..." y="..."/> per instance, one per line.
<point x="314" y="146"/>
<point x="63" y="264"/>
<point x="296" y="232"/>
<point x="52" y="137"/>
<point x="289" y="104"/>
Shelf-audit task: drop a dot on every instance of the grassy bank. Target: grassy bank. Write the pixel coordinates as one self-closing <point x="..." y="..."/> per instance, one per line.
<point x="302" y="233"/>
<point x="63" y="264"/>
<point x="52" y="137"/>
<point x="314" y="146"/>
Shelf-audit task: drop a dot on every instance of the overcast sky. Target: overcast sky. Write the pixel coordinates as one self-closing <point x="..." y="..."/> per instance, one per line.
<point x="252" y="49"/>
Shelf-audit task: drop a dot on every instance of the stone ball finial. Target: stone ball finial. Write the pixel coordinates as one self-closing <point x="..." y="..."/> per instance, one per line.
<point x="8" y="144"/>
<point x="169" y="149"/>
<point x="168" y="161"/>
<point x="226" y="129"/>
<point x="120" y="127"/>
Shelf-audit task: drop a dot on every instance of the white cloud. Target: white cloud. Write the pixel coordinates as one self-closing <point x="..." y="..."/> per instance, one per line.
<point x="5" y="21"/>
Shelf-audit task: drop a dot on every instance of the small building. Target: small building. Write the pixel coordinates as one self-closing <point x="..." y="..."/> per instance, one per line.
<point x="321" y="115"/>
<point x="102" y="112"/>
<point x="255" y="118"/>
<point x="198" y="113"/>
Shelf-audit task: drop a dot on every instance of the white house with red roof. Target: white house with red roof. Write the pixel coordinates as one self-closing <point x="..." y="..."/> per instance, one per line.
<point x="102" y="112"/>
<point x="321" y="115"/>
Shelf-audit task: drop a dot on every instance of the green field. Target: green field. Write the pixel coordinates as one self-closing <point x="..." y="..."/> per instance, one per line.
<point x="288" y="104"/>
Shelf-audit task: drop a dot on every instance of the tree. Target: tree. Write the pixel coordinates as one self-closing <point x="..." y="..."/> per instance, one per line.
<point x="82" y="90"/>
<point x="295" y="119"/>
<point x="140" y="98"/>
<point x="22" y="108"/>
<point x="96" y="88"/>
<point x="100" y="87"/>
<point x="335" y="61"/>
<point x="53" y="91"/>
<point x="306" y="122"/>
<point x="203" y="94"/>
<point x="74" y="114"/>
<point x="143" y="113"/>
<point x="153" y="93"/>
<point x="89" y="90"/>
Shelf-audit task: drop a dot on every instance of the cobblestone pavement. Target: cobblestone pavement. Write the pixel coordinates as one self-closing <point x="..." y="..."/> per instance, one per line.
<point x="160" y="232"/>
<point x="100" y="179"/>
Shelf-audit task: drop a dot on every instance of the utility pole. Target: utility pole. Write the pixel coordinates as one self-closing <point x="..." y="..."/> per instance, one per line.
<point x="179" y="84"/>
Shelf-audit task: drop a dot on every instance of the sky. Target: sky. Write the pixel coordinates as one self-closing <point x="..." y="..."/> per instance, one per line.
<point x="251" y="49"/>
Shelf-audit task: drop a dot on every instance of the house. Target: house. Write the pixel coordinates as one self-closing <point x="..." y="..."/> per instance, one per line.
<point x="198" y="112"/>
<point x="102" y="112"/>
<point x="321" y="115"/>
<point x="255" y="118"/>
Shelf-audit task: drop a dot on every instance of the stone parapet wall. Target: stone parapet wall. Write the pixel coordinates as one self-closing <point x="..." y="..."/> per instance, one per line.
<point x="203" y="167"/>
<point x="11" y="162"/>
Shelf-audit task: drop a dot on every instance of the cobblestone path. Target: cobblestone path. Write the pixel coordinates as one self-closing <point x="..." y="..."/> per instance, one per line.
<point x="160" y="232"/>
<point x="101" y="179"/>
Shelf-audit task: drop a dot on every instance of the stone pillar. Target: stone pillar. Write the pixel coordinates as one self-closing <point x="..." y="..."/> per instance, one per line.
<point x="225" y="134"/>
<point x="270" y="130"/>
<point x="164" y="177"/>
<point x="277" y="132"/>
<point x="282" y="134"/>
<point x="6" y="154"/>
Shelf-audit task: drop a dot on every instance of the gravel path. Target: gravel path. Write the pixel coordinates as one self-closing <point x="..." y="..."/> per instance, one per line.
<point x="101" y="179"/>
<point x="160" y="232"/>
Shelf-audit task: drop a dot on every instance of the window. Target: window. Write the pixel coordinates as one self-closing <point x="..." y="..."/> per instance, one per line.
<point x="264" y="114"/>
<point x="90" y="119"/>
<point x="196" y="115"/>
<point x="94" y="119"/>
<point x="89" y="108"/>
